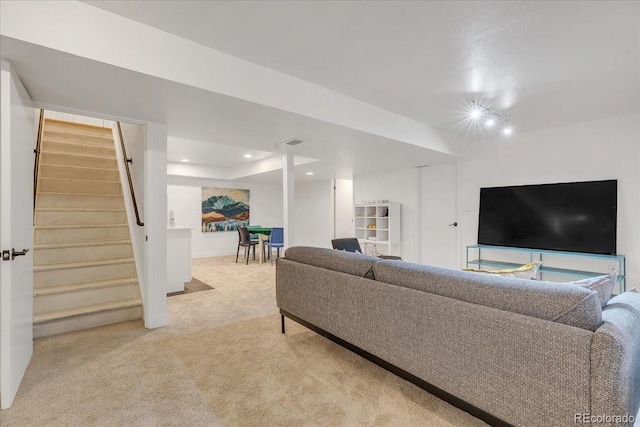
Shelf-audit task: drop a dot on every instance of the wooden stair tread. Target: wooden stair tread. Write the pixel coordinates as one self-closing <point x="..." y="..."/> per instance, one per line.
<point x="81" y="264"/>
<point x="59" y="136"/>
<point x="87" y="156"/>
<point x="71" y="227"/>
<point x="89" y="309"/>
<point x="80" y="144"/>
<point x="62" y="133"/>
<point x="48" y="193"/>
<point x="82" y="244"/>
<point x="61" y="289"/>
<point x="43" y="178"/>
<point x="79" y="167"/>
<point x="43" y="163"/>
<point x="80" y="210"/>
<point x="77" y="125"/>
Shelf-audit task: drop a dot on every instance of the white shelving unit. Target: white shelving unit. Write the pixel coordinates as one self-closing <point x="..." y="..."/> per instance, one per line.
<point x="377" y="228"/>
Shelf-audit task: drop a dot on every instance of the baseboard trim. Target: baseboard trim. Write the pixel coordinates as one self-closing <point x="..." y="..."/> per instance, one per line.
<point x="430" y="388"/>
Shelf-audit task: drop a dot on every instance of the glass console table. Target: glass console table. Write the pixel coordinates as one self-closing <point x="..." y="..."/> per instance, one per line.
<point x="597" y="264"/>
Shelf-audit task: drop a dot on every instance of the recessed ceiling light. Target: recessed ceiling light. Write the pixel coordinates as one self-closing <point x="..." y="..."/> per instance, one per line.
<point x="184" y="160"/>
<point x="248" y="156"/>
<point x="507" y="131"/>
<point x="475" y="113"/>
<point x="489" y="123"/>
<point x="309" y="173"/>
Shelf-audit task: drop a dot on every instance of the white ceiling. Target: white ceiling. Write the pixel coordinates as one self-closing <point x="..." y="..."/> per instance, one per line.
<point x="544" y="64"/>
<point x="211" y="153"/>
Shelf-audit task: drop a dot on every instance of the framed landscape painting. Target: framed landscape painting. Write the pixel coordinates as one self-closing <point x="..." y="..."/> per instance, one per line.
<point x="224" y="209"/>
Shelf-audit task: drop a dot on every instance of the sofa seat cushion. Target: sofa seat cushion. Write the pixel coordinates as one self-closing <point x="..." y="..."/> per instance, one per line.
<point x="556" y="302"/>
<point x="331" y="259"/>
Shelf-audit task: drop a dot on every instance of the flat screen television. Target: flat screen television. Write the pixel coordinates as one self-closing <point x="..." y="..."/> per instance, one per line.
<point x="575" y="216"/>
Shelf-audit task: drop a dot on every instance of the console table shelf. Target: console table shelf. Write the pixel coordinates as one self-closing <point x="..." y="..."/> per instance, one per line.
<point x="538" y="255"/>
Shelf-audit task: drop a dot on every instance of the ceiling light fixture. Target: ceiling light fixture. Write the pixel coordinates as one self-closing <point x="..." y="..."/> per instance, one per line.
<point x="493" y="119"/>
<point x="248" y="156"/>
<point x="185" y="160"/>
<point x="309" y="173"/>
<point x="294" y="141"/>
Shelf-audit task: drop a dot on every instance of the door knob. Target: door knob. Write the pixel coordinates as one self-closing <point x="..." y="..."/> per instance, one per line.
<point x="15" y="253"/>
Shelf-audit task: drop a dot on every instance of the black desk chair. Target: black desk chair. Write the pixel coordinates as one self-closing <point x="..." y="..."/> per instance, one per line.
<point x="351" y="244"/>
<point x="244" y="240"/>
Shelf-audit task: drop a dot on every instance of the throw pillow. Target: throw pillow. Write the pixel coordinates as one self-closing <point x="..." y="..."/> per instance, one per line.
<point x="603" y="285"/>
<point x="527" y="271"/>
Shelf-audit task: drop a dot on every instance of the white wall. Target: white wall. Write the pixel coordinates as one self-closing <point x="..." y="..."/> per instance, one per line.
<point x="313" y="214"/>
<point x="76" y="118"/>
<point x="134" y="137"/>
<point x="154" y="292"/>
<point x="185" y="199"/>
<point x="596" y="150"/>
<point x="399" y="187"/>
<point x="134" y="141"/>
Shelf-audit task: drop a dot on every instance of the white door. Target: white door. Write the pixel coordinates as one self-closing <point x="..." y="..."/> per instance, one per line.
<point x="439" y="238"/>
<point x="17" y="141"/>
<point x="343" y="205"/>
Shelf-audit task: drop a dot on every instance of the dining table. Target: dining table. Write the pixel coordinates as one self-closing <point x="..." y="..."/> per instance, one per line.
<point x="263" y="235"/>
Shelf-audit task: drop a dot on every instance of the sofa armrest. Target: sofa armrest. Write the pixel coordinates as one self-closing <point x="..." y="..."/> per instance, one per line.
<point x="615" y="360"/>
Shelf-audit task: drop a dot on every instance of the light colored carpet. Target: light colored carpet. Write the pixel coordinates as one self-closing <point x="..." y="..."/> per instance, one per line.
<point x="221" y="361"/>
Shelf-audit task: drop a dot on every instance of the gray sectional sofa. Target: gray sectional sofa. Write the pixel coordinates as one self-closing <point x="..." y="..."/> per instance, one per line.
<point x="509" y="351"/>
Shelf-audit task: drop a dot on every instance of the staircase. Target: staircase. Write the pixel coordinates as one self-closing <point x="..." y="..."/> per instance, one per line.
<point x="84" y="270"/>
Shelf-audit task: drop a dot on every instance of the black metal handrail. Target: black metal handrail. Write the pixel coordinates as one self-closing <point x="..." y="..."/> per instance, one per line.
<point x="36" y="166"/>
<point x="126" y="165"/>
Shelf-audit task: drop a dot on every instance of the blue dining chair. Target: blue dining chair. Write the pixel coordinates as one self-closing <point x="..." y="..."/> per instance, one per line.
<point x="276" y="240"/>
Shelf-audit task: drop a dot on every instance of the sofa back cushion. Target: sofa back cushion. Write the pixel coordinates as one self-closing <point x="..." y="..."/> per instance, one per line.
<point x="342" y="261"/>
<point x="570" y="305"/>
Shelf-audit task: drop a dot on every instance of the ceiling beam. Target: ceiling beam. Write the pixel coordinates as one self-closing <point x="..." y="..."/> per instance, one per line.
<point x="83" y="30"/>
